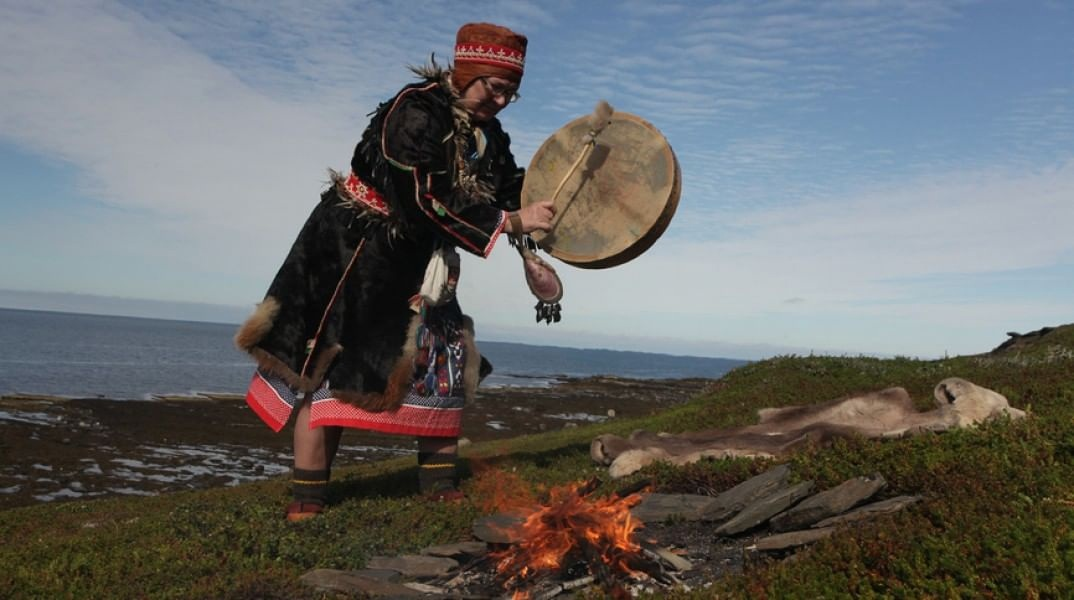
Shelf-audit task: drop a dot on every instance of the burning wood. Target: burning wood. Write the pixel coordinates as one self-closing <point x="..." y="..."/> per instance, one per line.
<point x="571" y="530"/>
<point x="542" y="550"/>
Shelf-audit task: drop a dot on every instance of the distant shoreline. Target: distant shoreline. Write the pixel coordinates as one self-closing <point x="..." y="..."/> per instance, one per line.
<point x="207" y="396"/>
<point x="229" y="315"/>
<point x="479" y="341"/>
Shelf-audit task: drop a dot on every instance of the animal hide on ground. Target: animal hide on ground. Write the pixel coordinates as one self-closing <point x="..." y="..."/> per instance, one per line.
<point x="886" y="413"/>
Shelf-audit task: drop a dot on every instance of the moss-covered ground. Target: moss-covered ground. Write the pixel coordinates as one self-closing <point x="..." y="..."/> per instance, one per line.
<point x="998" y="520"/>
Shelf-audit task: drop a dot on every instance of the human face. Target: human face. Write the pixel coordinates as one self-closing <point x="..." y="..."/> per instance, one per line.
<point x="485" y="97"/>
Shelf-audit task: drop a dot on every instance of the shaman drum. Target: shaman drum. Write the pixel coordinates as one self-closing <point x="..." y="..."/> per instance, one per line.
<point x="616" y="203"/>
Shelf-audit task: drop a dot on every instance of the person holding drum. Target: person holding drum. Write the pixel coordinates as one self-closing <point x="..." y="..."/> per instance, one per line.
<point x="360" y="327"/>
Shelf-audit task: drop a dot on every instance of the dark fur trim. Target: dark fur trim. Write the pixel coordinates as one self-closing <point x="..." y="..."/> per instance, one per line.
<point x="271" y="365"/>
<point x="253" y="330"/>
<point x="433" y="71"/>
<point x="274" y="366"/>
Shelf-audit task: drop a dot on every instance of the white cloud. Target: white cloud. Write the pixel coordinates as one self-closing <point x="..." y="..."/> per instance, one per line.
<point x="862" y="257"/>
<point x="150" y="123"/>
<point x="206" y="128"/>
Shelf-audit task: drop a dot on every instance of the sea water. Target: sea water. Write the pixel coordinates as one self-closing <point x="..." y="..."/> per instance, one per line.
<point x="82" y="355"/>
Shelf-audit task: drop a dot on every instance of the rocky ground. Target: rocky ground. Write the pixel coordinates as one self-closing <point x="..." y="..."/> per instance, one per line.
<point x="54" y="449"/>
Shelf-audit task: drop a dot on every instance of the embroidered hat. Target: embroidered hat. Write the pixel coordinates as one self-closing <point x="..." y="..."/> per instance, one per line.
<point x="487" y="50"/>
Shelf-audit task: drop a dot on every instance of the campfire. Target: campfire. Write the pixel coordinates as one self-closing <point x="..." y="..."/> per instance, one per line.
<point x="574" y="539"/>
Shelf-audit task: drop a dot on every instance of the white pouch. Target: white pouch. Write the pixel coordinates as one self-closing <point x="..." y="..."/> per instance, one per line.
<point x="441" y="277"/>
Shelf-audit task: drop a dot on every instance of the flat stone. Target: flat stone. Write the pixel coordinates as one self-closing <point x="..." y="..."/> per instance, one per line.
<point x="656" y="508"/>
<point x="676" y="562"/>
<point x="461" y="551"/>
<point x="389" y="575"/>
<point x="416" y="566"/>
<point x="499" y="529"/>
<point x="868" y="511"/>
<point x="351" y="582"/>
<point x="425" y="588"/>
<point x="765" y="508"/>
<point x="742" y="495"/>
<point x="828" y="503"/>
<point x="789" y="540"/>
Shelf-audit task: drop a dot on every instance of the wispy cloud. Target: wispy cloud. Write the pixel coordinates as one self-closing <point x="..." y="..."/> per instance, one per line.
<point x="820" y="176"/>
<point x="1039" y="124"/>
<point x="868" y="254"/>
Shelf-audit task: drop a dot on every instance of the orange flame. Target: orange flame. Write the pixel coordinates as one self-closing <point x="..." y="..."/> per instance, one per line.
<point x="571" y="525"/>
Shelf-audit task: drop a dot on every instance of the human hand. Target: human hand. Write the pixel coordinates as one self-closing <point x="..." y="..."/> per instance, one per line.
<point x="533" y="217"/>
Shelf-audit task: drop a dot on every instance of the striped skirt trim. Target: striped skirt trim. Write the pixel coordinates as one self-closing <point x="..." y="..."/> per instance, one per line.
<point x="416" y="416"/>
<point x="432" y="416"/>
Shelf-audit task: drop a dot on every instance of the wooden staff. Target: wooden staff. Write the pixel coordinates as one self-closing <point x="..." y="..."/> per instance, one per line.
<point x="601" y="117"/>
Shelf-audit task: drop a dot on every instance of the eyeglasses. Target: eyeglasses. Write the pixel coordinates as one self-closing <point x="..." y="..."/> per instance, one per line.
<point x="500" y="91"/>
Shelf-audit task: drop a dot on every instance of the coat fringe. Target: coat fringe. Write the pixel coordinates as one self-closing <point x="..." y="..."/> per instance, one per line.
<point x="258" y="324"/>
<point x="254" y="329"/>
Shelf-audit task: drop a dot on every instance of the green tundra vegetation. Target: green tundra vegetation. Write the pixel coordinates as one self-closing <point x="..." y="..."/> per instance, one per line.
<point x="997" y="520"/>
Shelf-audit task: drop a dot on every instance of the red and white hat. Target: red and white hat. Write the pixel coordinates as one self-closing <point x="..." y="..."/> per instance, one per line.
<point x="487" y="50"/>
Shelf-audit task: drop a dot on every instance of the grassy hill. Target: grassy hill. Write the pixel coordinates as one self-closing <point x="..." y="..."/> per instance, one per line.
<point x="998" y="520"/>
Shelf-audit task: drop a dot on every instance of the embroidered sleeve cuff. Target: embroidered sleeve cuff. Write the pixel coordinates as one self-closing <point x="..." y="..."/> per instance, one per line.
<point x="495" y="234"/>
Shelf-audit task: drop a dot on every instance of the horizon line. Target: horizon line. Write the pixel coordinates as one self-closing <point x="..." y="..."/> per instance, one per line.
<point x="76" y="312"/>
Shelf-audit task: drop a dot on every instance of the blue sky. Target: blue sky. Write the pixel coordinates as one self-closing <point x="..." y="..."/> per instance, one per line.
<point x="858" y="176"/>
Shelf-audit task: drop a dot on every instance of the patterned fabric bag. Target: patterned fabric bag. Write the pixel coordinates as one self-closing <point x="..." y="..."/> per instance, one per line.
<point x="441" y="353"/>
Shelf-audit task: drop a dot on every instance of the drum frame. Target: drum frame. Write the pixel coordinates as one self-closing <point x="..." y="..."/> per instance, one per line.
<point x="572" y="137"/>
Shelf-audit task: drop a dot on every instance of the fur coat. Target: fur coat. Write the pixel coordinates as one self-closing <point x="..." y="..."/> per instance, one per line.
<point x="339" y="308"/>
